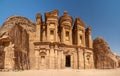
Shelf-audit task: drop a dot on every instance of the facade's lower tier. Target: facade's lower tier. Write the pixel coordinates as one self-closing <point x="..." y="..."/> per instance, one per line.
<point x="61" y="56"/>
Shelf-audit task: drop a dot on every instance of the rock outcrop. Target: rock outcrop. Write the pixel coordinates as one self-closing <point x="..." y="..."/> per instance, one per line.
<point x="103" y="57"/>
<point x="118" y="57"/>
<point x="2" y="56"/>
<point x="14" y="43"/>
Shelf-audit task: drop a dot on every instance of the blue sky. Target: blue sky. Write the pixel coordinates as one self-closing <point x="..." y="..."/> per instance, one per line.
<point x="102" y="15"/>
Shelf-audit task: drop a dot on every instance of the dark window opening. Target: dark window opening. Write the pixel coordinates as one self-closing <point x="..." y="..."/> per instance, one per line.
<point x="51" y="32"/>
<point x="68" y="62"/>
<point x="80" y="39"/>
<point x="43" y="57"/>
<point x="67" y="34"/>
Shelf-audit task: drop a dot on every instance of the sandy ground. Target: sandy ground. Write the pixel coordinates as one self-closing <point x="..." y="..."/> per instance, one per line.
<point x="65" y="72"/>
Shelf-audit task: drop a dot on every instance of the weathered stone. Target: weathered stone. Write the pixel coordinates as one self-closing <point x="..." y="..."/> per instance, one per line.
<point x="49" y="44"/>
<point x="103" y="57"/>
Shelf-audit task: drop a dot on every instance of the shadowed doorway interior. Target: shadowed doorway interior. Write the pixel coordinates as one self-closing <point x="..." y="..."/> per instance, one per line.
<point x="68" y="62"/>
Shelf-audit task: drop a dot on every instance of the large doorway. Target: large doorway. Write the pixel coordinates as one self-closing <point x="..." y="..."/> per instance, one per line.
<point x="68" y="61"/>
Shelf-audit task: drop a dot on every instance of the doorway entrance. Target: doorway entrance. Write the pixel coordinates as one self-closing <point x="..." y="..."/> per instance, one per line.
<point x="68" y="61"/>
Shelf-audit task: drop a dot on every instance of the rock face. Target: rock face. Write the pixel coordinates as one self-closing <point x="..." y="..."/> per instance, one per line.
<point x="118" y="57"/>
<point x="2" y="57"/>
<point x="14" y="43"/>
<point x="103" y="57"/>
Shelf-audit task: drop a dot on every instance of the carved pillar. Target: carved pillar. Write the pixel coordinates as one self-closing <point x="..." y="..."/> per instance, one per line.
<point x="48" y="32"/>
<point x="48" y="59"/>
<point x="72" y="62"/>
<point x="71" y="36"/>
<point x="51" y="58"/>
<point x="37" y="59"/>
<point x="85" y="59"/>
<point x="81" y="58"/>
<point x="75" y="60"/>
<point x="44" y="36"/>
<point x="78" y="39"/>
<point x="91" y="42"/>
<point x="59" y="59"/>
<point x="56" y="62"/>
<point x="84" y="38"/>
<point x="63" y="35"/>
<point x="56" y="32"/>
<point x="88" y="36"/>
<point x="92" y="61"/>
<point x="38" y="27"/>
<point x="62" y="60"/>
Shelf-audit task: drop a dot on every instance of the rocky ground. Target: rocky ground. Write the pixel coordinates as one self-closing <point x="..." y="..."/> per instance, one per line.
<point x="65" y="72"/>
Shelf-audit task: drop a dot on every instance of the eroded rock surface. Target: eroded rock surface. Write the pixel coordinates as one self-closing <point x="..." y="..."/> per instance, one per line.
<point x="103" y="57"/>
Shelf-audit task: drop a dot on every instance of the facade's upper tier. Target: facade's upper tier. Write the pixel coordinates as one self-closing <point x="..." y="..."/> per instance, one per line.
<point x="65" y="17"/>
<point x="53" y="29"/>
<point x="62" y="29"/>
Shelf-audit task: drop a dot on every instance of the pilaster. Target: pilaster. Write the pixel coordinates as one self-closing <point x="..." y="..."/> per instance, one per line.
<point x="52" y="58"/>
<point x="56" y="58"/>
<point x="81" y="58"/>
<point x="48" y="59"/>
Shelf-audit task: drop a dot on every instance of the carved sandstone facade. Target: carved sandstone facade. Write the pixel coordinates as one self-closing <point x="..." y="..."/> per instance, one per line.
<point x="56" y="43"/>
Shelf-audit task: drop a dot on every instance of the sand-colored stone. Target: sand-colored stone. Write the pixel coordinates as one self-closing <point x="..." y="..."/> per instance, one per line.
<point x="103" y="57"/>
<point x="56" y="43"/>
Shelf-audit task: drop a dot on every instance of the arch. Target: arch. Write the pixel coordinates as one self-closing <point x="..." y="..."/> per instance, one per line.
<point x="42" y="54"/>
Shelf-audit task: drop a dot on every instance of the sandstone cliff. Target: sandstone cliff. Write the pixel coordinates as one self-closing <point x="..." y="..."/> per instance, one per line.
<point x="2" y="56"/>
<point x="14" y="36"/>
<point x="103" y="57"/>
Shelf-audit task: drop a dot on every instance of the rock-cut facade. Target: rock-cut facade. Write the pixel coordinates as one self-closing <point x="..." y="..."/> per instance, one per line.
<point x="53" y="43"/>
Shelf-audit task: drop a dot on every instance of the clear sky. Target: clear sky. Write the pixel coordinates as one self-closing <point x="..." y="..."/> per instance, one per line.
<point x="102" y="15"/>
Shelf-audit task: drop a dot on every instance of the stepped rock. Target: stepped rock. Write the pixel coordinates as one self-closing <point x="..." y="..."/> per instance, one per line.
<point x="103" y="57"/>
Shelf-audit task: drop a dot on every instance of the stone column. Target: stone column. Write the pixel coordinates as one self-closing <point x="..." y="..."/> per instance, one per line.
<point x="72" y="62"/>
<point x="81" y="59"/>
<point x="36" y="59"/>
<point x="62" y="60"/>
<point x="44" y="36"/>
<point x="63" y="35"/>
<point x="75" y="60"/>
<point x="92" y="61"/>
<point x="71" y="36"/>
<point x="48" y="32"/>
<point x="56" y="32"/>
<point x="51" y="58"/>
<point x="56" y="58"/>
<point x="85" y="60"/>
<point x="78" y="39"/>
<point x="48" y="59"/>
<point x="90" y="42"/>
<point x="38" y="32"/>
<point x="84" y="39"/>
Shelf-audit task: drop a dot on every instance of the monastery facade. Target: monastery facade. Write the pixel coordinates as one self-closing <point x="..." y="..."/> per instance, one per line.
<point x="56" y="43"/>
